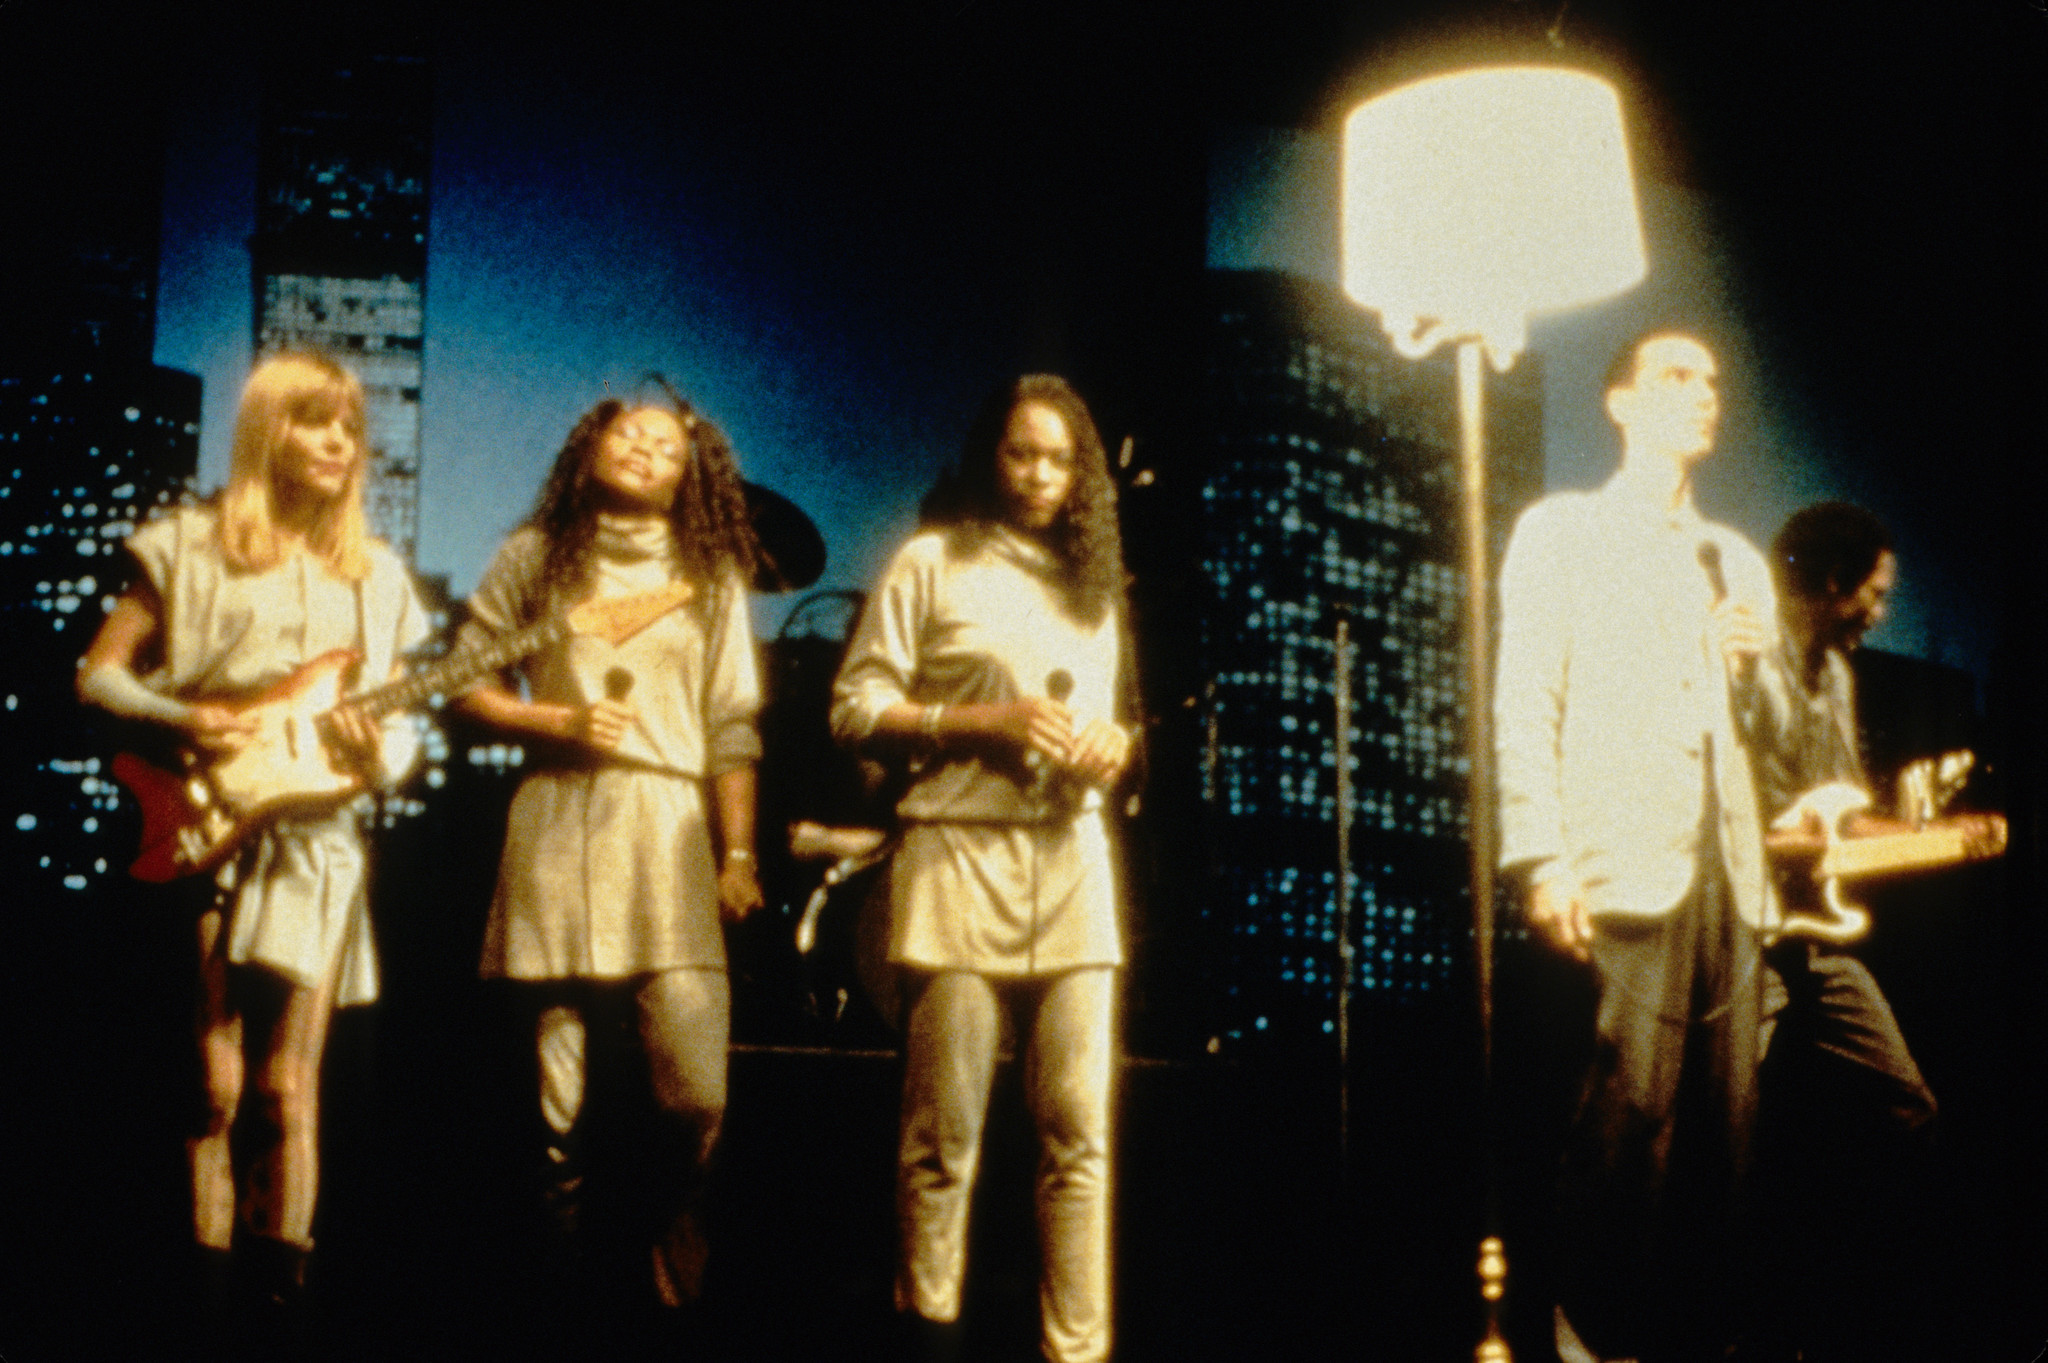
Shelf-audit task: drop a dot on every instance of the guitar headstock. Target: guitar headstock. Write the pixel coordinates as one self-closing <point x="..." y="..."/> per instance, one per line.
<point x="616" y="619"/>
<point x="1927" y="787"/>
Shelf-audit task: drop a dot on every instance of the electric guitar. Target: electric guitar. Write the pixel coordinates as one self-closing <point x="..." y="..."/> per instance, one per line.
<point x="192" y="821"/>
<point x="1835" y="856"/>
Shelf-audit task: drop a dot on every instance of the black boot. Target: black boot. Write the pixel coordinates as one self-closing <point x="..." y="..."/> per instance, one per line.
<point x="272" y="1304"/>
<point x="929" y="1341"/>
<point x="560" y="1203"/>
<point x="206" y="1310"/>
<point x="555" y="1259"/>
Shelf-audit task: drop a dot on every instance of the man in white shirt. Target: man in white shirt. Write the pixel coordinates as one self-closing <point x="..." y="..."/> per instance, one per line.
<point x="1629" y="815"/>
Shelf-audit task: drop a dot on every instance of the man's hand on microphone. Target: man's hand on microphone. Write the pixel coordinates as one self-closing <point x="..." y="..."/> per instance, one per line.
<point x="1743" y="634"/>
<point x="1559" y="915"/>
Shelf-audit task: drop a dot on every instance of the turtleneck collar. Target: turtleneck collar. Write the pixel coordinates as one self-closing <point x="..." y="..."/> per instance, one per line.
<point x="633" y="538"/>
<point x="1024" y="550"/>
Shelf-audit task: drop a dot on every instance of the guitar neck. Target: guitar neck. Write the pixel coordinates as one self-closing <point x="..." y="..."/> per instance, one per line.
<point x="1923" y="849"/>
<point x="459" y="669"/>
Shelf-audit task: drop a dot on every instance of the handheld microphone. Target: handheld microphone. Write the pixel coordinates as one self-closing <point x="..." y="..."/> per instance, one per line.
<point x="618" y="684"/>
<point x="1744" y="668"/>
<point x="1059" y="684"/>
<point x="1710" y="559"/>
<point x="1048" y="782"/>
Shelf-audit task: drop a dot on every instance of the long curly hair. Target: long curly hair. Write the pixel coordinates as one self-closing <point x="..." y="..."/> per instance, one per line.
<point x="714" y="532"/>
<point x="967" y="500"/>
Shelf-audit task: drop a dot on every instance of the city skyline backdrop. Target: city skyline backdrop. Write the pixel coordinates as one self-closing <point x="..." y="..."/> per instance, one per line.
<point x="835" y="235"/>
<point x="836" y="232"/>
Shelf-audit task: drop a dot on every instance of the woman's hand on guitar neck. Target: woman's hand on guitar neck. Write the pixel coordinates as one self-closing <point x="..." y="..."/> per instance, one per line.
<point x="218" y="729"/>
<point x="355" y="741"/>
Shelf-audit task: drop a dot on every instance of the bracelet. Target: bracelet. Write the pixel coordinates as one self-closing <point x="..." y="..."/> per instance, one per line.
<point x="928" y="722"/>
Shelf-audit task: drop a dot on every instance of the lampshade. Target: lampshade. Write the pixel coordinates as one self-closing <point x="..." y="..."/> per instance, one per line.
<point x="1473" y="200"/>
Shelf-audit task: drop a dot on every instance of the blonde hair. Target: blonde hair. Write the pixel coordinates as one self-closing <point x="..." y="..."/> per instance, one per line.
<point x="282" y="389"/>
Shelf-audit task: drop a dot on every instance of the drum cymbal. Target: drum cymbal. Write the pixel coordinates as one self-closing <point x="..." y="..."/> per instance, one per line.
<point x="796" y="551"/>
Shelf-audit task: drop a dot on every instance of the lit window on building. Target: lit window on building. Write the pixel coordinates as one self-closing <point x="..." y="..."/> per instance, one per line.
<point x="1330" y="487"/>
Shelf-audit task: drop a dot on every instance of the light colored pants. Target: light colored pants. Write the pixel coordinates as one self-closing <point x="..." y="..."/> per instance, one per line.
<point x="954" y="1029"/>
<point x="684" y="1017"/>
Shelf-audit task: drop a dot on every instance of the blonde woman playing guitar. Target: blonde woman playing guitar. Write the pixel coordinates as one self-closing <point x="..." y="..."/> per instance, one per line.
<point x="236" y="594"/>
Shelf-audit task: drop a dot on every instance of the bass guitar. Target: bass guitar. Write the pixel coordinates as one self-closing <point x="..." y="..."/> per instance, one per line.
<point x="194" y="819"/>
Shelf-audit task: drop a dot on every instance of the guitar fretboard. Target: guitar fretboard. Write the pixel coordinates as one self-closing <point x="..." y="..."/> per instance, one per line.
<point x="458" y="670"/>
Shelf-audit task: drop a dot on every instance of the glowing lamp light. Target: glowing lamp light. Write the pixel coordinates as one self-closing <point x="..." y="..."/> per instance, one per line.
<point x="1475" y="199"/>
<point x="1472" y="201"/>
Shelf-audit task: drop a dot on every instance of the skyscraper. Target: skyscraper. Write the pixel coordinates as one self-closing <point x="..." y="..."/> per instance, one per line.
<point x="93" y="438"/>
<point x="1331" y="489"/>
<point x="339" y="257"/>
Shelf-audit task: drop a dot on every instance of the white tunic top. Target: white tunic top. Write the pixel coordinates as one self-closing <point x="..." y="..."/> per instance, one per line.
<point x="996" y="873"/>
<point x="607" y="870"/>
<point x="298" y="893"/>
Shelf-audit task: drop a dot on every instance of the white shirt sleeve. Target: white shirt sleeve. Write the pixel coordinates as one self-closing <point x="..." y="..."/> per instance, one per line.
<point x="882" y="657"/>
<point x="1530" y="689"/>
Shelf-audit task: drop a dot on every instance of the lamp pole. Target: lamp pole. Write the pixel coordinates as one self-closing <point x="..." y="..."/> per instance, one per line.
<point x="1472" y="201"/>
<point x="1479" y="818"/>
<point x="1478" y="679"/>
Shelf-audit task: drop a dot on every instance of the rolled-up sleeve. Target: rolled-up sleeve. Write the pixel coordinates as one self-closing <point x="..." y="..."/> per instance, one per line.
<point x="498" y="605"/>
<point x="732" y="685"/>
<point x="154" y="547"/>
<point x="1529" y="694"/>
<point x="881" y="661"/>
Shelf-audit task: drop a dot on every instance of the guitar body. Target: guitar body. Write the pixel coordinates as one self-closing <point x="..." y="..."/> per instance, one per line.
<point x="285" y="764"/>
<point x="192" y="823"/>
<point x="1832" y="858"/>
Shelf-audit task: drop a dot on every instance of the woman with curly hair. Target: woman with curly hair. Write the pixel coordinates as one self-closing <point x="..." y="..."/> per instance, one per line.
<point x="993" y="655"/>
<point x="609" y="893"/>
<point x="234" y="595"/>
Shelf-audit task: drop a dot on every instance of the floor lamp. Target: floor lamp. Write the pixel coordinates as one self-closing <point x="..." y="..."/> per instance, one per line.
<point x="1472" y="201"/>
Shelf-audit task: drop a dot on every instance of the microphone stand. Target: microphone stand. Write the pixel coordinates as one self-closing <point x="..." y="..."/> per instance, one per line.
<point x="1340" y="689"/>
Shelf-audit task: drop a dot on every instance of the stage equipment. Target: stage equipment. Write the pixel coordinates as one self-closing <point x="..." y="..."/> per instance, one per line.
<point x="796" y="551"/>
<point x="1472" y="201"/>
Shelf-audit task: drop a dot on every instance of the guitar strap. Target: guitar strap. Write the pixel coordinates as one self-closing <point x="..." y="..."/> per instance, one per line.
<point x="376" y="660"/>
<point x="1845" y="714"/>
<point x="363" y="625"/>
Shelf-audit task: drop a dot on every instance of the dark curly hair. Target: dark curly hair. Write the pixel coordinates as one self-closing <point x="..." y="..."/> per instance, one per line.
<point x="967" y="499"/>
<point x="1828" y="549"/>
<point x="714" y="531"/>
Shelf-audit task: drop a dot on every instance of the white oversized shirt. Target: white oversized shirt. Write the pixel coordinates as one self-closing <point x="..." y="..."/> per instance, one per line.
<point x="994" y="874"/>
<point x="984" y="626"/>
<point x="1610" y="688"/>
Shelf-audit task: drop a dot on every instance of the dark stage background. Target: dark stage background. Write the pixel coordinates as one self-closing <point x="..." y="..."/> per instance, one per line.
<point x="904" y="203"/>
